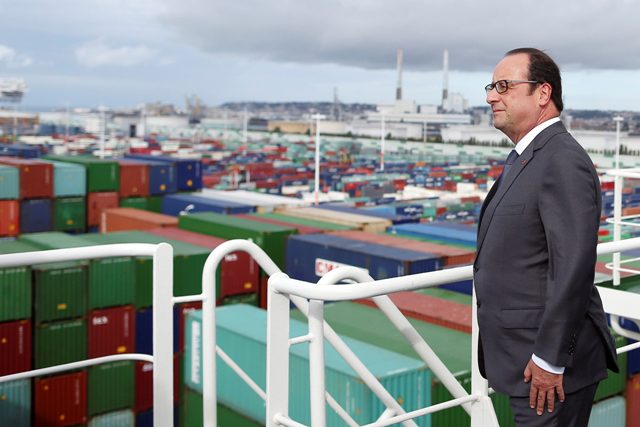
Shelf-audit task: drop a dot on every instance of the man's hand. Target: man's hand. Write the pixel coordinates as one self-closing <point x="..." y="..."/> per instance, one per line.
<point x="544" y="386"/>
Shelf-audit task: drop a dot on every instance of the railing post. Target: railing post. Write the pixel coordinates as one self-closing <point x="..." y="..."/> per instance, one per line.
<point x="277" y="353"/>
<point x="316" y="364"/>
<point x="617" y="217"/>
<point x="163" y="335"/>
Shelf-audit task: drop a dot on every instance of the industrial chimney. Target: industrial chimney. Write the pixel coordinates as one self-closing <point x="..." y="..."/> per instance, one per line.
<point x="399" y="67"/>
<point x="445" y="81"/>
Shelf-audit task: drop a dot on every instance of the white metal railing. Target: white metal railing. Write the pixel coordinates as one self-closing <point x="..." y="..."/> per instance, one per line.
<point x="162" y="319"/>
<point x="619" y="221"/>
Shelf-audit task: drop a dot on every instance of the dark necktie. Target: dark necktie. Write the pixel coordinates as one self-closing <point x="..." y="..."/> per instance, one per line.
<point x="513" y="155"/>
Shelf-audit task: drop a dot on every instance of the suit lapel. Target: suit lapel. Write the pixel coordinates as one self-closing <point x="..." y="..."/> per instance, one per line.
<point x="494" y="197"/>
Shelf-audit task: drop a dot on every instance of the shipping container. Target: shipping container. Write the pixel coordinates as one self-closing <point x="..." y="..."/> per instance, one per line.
<point x="633" y="401"/>
<point x="615" y="383"/>
<point x="262" y="202"/>
<point x="391" y="216"/>
<point x="135" y="202"/>
<point x="97" y="203"/>
<point x="36" y="177"/>
<point x="61" y="400"/>
<point x="162" y="177"/>
<point x="192" y="413"/>
<point x="36" y="215"/>
<point x="111" y="280"/>
<point x="15" y="347"/>
<point x="449" y="232"/>
<point x="110" y="387"/>
<point x="9" y="218"/>
<point x="102" y="175"/>
<point x="60" y="291"/>
<point x="239" y="273"/>
<point x="361" y="222"/>
<point x="182" y="204"/>
<point x="608" y="413"/>
<point x="20" y="150"/>
<point x="69" y="179"/>
<point x="134" y="179"/>
<point x="452" y="347"/>
<point x="15" y="285"/>
<point x="69" y="214"/>
<point x="111" y="331"/>
<point x="124" y="418"/>
<point x="188" y="171"/>
<point x="451" y="256"/>
<point x="311" y="256"/>
<point x="408" y="380"/>
<point x="300" y="229"/>
<point x="56" y="343"/>
<point x="122" y="219"/>
<point x="144" y="386"/>
<point x="15" y="403"/>
<point x="144" y="331"/>
<point x="9" y="182"/>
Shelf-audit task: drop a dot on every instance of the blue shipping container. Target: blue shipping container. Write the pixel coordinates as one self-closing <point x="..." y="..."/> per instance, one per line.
<point x="36" y="215"/>
<point x="454" y="233"/>
<point x="162" y="177"/>
<point x="310" y="256"/>
<point x="177" y="204"/>
<point x="9" y="182"/>
<point x="391" y="216"/>
<point x="20" y="150"/>
<point x="188" y="171"/>
<point x="69" y="179"/>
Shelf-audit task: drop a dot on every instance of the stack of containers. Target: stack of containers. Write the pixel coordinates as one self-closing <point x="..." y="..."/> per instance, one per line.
<point x="100" y="293"/>
<point x="181" y="204"/>
<point x="69" y="190"/>
<point x="9" y="205"/>
<point x="161" y="178"/>
<point x="103" y="182"/>
<point x="134" y="181"/>
<point x="407" y="379"/>
<point x="36" y="191"/>
<point x="15" y="338"/>
<point x="362" y="222"/>
<point x="188" y="171"/>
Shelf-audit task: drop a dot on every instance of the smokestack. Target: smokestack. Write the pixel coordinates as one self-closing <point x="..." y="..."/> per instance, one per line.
<point x="445" y="80"/>
<point x="399" y="67"/>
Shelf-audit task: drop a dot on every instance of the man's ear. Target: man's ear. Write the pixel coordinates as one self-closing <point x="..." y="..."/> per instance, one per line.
<point x="544" y="94"/>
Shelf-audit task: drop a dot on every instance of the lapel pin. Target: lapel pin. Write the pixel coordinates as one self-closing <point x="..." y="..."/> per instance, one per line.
<point x="522" y="162"/>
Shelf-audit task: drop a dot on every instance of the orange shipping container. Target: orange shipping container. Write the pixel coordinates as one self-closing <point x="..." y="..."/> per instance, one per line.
<point x="9" y="218"/>
<point x="96" y="203"/>
<point x="134" y="179"/>
<point x="121" y="219"/>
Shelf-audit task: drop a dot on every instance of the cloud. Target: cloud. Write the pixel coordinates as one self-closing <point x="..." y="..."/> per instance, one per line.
<point x="12" y="59"/>
<point x="364" y="33"/>
<point x="97" y="53"/>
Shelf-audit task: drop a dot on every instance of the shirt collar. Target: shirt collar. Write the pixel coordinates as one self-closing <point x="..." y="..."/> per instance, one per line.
<point x="524" y="142"/>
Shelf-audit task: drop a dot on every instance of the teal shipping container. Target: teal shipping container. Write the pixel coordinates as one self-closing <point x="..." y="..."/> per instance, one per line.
<point x="241" y="333"/>
<point x="9" y="182"/>
<point x="69" y="179"/>
<point x="15" y="403"/>
<point x="114" y="419"/>
<point x="609" y="413"/>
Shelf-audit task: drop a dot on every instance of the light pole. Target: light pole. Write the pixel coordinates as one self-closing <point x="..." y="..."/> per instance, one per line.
<point x="316" y="183"/>
<point x="103" y="129"/>
<point x="382" y="132"/>
<point x="618" y="120"/>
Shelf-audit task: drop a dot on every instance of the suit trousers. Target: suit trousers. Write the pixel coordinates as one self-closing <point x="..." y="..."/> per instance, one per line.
<point x="573" y="412"/>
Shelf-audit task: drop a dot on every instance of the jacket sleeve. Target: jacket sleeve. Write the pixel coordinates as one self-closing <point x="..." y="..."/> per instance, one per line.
<point x="568" y="208"/>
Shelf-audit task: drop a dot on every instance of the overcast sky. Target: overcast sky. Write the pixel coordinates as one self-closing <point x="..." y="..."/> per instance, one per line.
<point x="122" y="53"/>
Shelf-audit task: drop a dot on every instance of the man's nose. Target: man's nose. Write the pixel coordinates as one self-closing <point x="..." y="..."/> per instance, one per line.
<point x="492" y="96"/>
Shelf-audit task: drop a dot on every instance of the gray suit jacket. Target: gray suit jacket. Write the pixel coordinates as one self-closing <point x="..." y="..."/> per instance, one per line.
<point x="534" y="269"/>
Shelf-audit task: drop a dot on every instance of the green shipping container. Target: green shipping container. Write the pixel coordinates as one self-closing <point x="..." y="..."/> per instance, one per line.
<point x="271" y="238"/>
<point x="56" y="343"/>
<point x="249" y="299"/>
<point x="135" y="202"/>
<point x="615" y="383"/>
<point x="111" y="280"/>
<point x="329" y="226"/>
<point x="188" y="261"/>
<point x="15" y="403"/>
<point x="191" y="415"/>
<point x="111" y="386"/>
<point x="452" y="347"/>
<point x="102" y="175"/>
<point x="15" y="285"/>
<point x="123" y="418"/>
<point x="69" y="214"/>
<point x="241" y="333"/>
<point x="60" y="291"/>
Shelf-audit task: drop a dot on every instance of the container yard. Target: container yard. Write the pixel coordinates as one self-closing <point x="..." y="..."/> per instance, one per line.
<point x="419" y="215"/>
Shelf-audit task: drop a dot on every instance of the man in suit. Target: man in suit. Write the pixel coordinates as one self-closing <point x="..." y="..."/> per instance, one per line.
<point x="544" y="339"/>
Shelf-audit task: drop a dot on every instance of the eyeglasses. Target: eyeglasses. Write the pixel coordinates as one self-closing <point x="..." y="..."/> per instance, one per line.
<point x="503" y="85"/>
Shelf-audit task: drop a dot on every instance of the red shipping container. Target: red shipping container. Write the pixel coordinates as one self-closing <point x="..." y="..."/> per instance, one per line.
<point x="134" y="179"/>
<point x="239" y="272"/>
<point x="111" y="331"/>
<point x="96" y="203"/>
<point x="36" y="177"/>
<point x="633" y="401"/>
<point x="15" y="347"/>
<point x="121" y="219"/>
<point x="144" y="384"/>
<point x="61" y="400"/>
<point x="183" y="310"/>
<point x="9" y="218"/>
